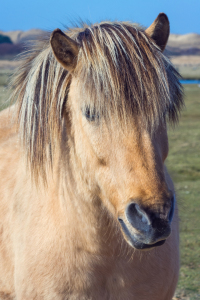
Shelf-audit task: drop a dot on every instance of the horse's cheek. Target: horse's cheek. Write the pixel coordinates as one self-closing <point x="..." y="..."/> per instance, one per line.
<point x="108" y="191"/>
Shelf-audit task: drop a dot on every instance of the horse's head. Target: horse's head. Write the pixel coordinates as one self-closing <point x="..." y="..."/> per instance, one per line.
<point x="121" y="93"/>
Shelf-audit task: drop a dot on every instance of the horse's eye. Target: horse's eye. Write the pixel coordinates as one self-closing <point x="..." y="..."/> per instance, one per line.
<point x="91" y="115"/>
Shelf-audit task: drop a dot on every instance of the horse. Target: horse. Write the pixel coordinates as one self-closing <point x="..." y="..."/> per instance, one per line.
<point x="88" y="209"/>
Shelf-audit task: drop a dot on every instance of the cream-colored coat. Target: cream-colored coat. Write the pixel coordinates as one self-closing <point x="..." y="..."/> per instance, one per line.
<point x="62" y="240"/>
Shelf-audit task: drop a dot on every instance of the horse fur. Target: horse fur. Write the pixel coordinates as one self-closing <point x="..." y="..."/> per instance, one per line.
<point x="96" y="134"/>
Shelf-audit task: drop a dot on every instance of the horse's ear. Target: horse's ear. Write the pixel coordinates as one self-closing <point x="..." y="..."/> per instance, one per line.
<point x="65" y="49"/>
<point x="159" y="30"/>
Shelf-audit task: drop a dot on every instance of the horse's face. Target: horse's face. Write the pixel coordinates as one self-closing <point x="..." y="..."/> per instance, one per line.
<point x="122" y="165"/>
<point x="125" y="168"/>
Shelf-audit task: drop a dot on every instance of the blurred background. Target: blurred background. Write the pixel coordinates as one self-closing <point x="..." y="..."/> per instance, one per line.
<point x="21" y="21"/>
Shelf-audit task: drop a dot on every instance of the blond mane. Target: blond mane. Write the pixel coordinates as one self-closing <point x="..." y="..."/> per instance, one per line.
<point x="120" y="68"/>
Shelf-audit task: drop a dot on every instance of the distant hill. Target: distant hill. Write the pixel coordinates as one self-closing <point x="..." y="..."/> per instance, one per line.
<point x="18" y="40"/>
<point x="187" y="44"/>
<point x="19" y="36"/>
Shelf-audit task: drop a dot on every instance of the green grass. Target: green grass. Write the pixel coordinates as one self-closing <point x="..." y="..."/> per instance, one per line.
<point x="4" y="77"/>
<point x="4" y="93"/>
<point x="184" y="165"/>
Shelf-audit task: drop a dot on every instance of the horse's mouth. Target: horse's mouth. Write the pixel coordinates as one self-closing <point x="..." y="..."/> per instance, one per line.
<point x="141" y="246"/>
<point x="134" y="241"/>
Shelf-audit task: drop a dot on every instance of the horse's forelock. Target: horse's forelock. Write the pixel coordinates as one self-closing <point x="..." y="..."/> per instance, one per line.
<point x="122" y="69"/>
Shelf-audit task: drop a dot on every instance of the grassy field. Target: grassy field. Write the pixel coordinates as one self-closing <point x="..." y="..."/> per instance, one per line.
<point x="4" y="94"/>
<point x="184" y="165"/>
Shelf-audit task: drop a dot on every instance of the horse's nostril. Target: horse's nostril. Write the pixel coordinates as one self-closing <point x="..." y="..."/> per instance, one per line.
<point x="171" y="212"/>
<point x="137" y="217"/>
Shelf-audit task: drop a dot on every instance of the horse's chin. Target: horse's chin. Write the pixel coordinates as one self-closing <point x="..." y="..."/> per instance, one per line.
<point x="141" y="246"/>
<point x="134" y="241"/>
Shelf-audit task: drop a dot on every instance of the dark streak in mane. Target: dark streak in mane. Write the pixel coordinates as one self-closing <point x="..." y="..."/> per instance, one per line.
<point x="119" y="67"/>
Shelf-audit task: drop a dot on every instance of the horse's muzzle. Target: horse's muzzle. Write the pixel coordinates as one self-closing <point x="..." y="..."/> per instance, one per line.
<point x="144" y="228"/>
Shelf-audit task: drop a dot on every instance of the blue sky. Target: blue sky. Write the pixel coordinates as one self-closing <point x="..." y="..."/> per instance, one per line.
<point x="184" y="15"/>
